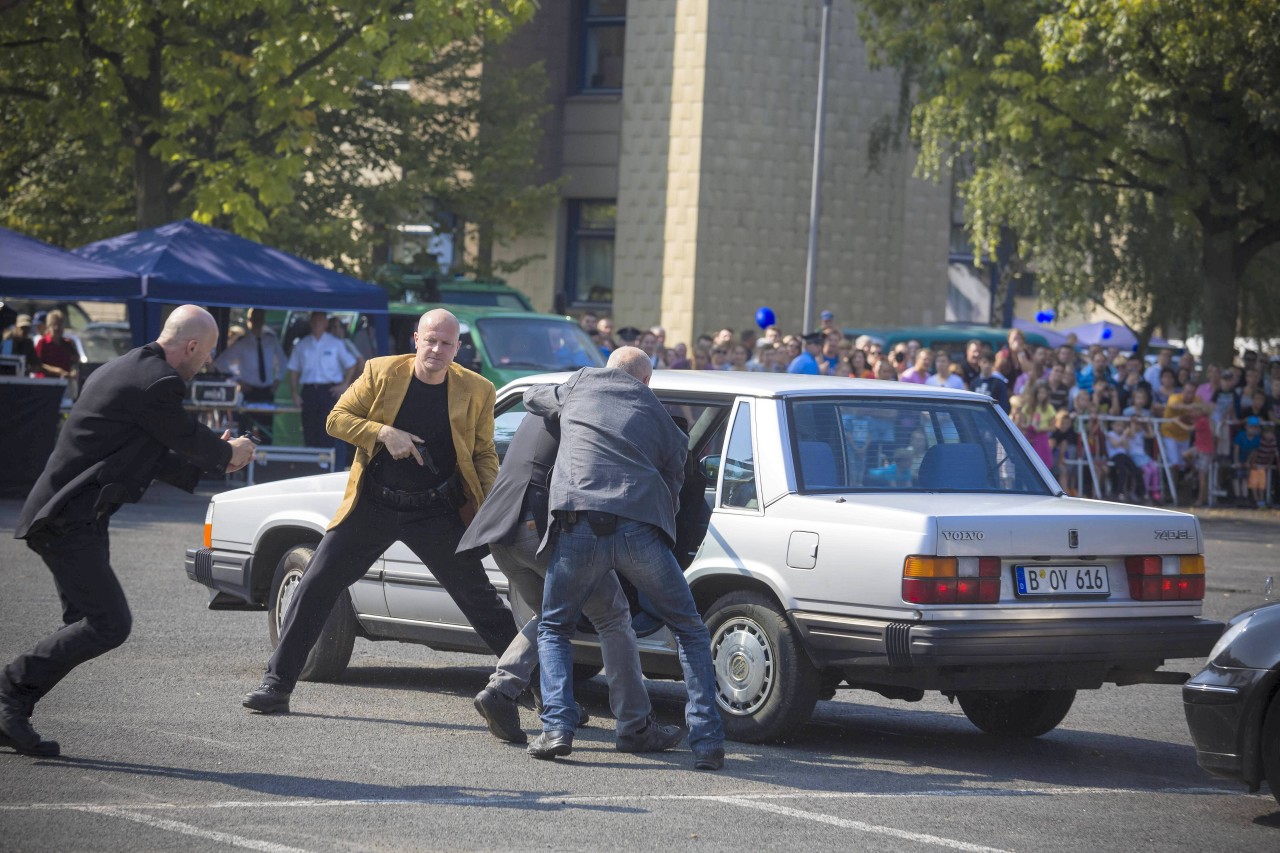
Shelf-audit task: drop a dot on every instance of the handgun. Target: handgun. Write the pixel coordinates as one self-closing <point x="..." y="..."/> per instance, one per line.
<point x="426" y="457"/>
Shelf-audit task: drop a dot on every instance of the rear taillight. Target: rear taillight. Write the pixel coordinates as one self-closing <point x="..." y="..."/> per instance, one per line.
<point x="951" y="580"/>
<point x="1153" y="578"/>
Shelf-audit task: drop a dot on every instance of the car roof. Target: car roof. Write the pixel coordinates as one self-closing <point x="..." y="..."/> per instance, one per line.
<point x="743" y="384"/>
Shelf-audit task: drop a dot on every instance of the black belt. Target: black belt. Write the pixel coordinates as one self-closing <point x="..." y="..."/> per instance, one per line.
<point x="439" y="497"/>
<point x="602" y="523"/>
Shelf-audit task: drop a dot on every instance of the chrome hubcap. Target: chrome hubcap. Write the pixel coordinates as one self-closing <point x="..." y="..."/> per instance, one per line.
<point x="288" y="587"/>
<point x="745" y="666"/>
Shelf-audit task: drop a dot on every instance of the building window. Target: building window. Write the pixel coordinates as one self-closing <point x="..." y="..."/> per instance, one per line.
<point x="604" y="30"/>
<point x="589" y="254"/>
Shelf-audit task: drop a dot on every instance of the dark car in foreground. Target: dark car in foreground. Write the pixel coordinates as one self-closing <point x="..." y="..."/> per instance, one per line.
<point x="1233" y="704"/>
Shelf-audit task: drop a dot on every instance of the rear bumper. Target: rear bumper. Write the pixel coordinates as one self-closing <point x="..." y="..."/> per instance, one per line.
<point x="851" y="643"/>
<point x="226" y="572"/>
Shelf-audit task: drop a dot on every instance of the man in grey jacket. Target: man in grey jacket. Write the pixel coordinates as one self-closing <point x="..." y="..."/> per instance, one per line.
<point x="614" y="495"/>
<point x="512" y="521"/>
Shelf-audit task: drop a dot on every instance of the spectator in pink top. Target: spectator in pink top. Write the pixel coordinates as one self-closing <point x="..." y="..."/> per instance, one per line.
<point x="918" y="372"/>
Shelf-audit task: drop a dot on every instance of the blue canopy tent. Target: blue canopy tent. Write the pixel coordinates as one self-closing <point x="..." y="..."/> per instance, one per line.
<point x="31" y="269"/>
<point x="186" y="262"/>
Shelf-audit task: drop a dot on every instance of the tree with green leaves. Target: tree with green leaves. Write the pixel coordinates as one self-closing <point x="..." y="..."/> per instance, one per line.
<point x="1132" y="146"/>
<point x="308" y="125"/>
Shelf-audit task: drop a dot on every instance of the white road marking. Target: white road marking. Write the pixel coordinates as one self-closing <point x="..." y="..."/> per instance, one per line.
<point x="860" y="826"/>
<point x="188" y="829"/>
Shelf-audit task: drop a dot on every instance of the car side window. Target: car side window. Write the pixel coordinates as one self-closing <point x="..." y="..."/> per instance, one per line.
<point x="739" y="488"/>
<point x="504" y="427"/>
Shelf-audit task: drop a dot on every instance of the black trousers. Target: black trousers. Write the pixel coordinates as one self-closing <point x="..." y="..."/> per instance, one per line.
<point x="260" y="421"/>
<point x="95" y="614"/>
<point x="347" y="551"/>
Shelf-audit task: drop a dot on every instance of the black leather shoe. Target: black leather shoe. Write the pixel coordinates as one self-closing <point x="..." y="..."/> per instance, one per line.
<point x="652" y="738"/>
<point x="42" y="749"/>
<point x="501" y="715"/>
<point x="268" y="699"/>
<point x="15" y="727"/>
<point x="709" y="759"/>
<point x="552" y="744"/>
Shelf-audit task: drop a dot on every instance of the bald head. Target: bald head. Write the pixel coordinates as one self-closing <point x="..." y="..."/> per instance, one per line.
<point x="435" y="318"/>
<point x="188" y="339"/>
<point x="633" y="360"/>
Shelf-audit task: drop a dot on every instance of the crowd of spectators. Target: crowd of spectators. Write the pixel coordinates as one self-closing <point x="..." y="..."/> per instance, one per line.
<point x="1210" y="426"/>
<point x="40" y="340"/>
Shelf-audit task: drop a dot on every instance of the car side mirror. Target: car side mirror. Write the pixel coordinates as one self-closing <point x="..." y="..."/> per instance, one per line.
<point x="709" y="467"/>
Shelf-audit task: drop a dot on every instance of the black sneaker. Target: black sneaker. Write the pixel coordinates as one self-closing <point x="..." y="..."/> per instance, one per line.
<point x="654" y="737"/>
<point x="709" y="759"/>
<point x="501" y="715"/>
<point x="268" y="699"/>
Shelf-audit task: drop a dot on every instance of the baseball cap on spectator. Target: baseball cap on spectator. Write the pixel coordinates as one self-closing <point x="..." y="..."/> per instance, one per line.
<point x="23" y="320"/>
<point x="628" y="334"/>
<point x="815" y="337"/>
<point x="40" y="317"/>
<point x="827" y="315"/>
<point x="1253" y="420"/>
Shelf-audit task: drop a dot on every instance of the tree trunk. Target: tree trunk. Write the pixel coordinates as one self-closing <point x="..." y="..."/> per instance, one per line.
<point x="147" y="95"/>
<point x="148" y="179"/>
<point x="1220" y="292"/>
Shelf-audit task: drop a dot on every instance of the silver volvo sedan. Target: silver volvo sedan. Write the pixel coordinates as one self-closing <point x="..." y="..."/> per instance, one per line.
<point x="836" y="533"/>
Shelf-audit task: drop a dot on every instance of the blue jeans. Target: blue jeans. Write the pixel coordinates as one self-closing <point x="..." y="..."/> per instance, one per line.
<point x="607" y="609"/>
<point x="638" y="552"/>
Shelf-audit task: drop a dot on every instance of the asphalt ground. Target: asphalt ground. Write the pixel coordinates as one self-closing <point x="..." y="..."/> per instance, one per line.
<point x="159" y="755"/>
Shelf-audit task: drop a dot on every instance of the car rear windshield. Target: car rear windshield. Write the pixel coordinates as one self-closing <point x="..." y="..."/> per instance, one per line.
<point x="537" y="343"/>
<point x="893" y="445"/>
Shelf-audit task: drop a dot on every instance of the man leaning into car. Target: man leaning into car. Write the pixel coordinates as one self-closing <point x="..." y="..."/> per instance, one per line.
<point x="425" y="459"/>
<point x="614" y="493"/>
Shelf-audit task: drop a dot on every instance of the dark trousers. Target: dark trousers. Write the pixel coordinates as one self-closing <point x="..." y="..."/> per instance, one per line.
<point x="94" y="610"/>
<point x="261" y="422"/>
<point x="347" y="551"/>
<point x="317" y="403"/>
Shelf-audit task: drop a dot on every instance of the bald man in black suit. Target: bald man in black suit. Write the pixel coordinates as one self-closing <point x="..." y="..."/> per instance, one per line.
<point x="127" y="428"/>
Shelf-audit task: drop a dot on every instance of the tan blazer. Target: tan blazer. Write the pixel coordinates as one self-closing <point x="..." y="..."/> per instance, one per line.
<point x="374" y="400"/>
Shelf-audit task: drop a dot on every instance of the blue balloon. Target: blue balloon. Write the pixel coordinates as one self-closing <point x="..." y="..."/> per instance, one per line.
<point x="1106" y="334"/>
<point x="1045" y="316"/>
<point x="764" y="317"/>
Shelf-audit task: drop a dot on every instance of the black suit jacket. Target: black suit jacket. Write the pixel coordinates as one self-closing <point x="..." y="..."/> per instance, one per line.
<point x="126" y="429"/>
<point x="525" y="471"/>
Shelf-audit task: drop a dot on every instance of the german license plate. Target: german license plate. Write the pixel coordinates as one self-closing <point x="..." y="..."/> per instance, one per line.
<point x="1062" y="580"/>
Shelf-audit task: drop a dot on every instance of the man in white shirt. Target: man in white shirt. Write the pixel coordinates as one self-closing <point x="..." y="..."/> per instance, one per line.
<point x="320" y="369"/>
<point x="258" y="363"/>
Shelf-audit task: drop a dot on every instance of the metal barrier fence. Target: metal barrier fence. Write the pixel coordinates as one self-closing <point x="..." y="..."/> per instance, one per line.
<point x="1087" y="464"/>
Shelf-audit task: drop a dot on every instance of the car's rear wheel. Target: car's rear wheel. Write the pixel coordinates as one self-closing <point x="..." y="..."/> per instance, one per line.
<point x="1271" y="746"/>
<point x="332" y="652"/>
<point x="766" y="686"/>
<point x="1016" y="713"/>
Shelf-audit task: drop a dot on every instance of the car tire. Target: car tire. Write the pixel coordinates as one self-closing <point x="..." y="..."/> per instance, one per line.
<point x="766" y="686"/>
<point x="1270" y="746"/>
<point x="1016" y="713"/>
<point x="586" y="671"/>
<point x="332" y="652"/>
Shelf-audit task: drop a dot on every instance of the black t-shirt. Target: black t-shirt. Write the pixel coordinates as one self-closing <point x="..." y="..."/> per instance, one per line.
<point x="425" y="413"/>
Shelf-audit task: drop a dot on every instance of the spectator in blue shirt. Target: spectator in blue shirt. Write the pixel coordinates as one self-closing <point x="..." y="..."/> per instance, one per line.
<point x="807" y="361"/>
